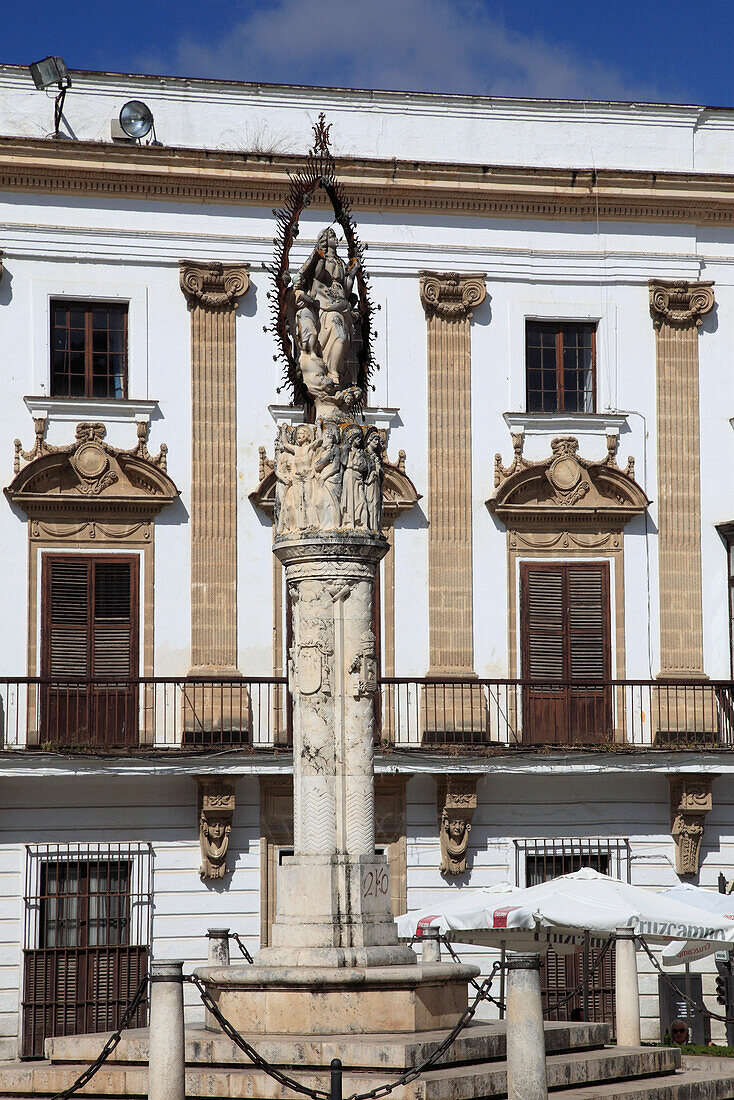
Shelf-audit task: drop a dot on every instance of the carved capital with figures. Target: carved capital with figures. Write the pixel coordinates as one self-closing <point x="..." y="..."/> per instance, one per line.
<point x="451" y="295"/>
<point x="214" y="285"/>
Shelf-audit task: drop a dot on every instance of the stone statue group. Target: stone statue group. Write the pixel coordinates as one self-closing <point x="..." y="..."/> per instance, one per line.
<point x="328" y="476"/>
<point x="321" y="316"/>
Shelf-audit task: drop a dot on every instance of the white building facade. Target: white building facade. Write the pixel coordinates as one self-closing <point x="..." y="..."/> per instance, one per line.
<point x="554" y="287"/>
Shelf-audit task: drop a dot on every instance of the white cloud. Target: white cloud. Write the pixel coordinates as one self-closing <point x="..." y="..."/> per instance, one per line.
<point x="418" y="45"/>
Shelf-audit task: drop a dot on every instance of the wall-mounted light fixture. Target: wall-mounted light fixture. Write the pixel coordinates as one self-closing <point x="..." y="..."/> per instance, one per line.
<point x="45" y="73"/>
<point x="134" y="122"/>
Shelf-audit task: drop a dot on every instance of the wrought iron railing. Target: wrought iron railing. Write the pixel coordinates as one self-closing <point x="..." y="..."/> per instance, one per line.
<point x="148" y="713"/>
<point x="255" y="713"/>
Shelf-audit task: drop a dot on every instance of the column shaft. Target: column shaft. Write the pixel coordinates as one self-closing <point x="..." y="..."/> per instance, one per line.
<point x="677" y="310"/>
<point x="448" y="300"/>
<point x="213" y="292"/>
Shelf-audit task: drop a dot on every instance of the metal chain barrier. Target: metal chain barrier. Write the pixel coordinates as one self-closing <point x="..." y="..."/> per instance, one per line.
<point x="319" y="1094"/>
<point x="109" y="1046"/>
<point x="231" y="1032"/>
<point x="242" y="947"/>
<point x="699" y="1008"/>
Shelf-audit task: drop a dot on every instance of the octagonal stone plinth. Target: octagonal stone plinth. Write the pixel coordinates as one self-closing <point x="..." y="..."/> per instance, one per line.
<point x="273" y="1000"/>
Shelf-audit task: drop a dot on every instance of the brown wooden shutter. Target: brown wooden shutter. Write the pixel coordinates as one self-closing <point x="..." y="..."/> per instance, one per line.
<point x="67" y="650"/>
<point x="113" y="624"/>
<point x="543" y="624"/>
<point x="588" y="629"/>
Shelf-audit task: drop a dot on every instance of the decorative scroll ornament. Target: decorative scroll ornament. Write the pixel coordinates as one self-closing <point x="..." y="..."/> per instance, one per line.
<point x="214" y="285"/>
<point x="217" y="801"/>
<point x="450" y="295"/>
<point x="89" y="470"/>
<point x="456" y="803"/>
<point x="690" y="801"/>
<point x="321" y="314"/>
<point x="680" y="304"/>
<point x="565" y="480"/>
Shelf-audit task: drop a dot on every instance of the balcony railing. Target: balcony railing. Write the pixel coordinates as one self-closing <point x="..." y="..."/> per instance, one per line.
<point x="153" y="713"/>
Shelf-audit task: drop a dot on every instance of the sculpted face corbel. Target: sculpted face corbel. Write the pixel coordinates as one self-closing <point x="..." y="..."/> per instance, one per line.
<point x="690" y="801"/>
<point x="216" y="811"/>
<point x="456" y="803"/>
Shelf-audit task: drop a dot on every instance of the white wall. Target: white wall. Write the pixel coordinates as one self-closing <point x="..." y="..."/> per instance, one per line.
<point x="162" y="812"/>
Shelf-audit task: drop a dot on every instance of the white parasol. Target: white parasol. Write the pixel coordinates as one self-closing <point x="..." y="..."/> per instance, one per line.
<point x="677" y="953"/>
<point x="564" y="911"/>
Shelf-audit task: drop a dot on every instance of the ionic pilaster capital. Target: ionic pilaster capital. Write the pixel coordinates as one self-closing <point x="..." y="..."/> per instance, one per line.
<point x="679" y="303"/>
<point x="450" y="295"/>
<point x="214" y="285"/>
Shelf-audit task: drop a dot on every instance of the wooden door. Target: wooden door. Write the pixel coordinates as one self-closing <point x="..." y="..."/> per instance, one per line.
<point x="89" y="650"/>
<point x="566" y="653"/>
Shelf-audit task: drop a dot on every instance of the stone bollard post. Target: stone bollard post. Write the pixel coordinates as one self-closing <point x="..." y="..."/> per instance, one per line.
<point x="526" y="1069"/>
<point x="218" y="956"/>
<point x="167" y="1055"/>
<point x="627" y="990"/>
<point x="431" y="945"/>
<point x="218" y="946"/>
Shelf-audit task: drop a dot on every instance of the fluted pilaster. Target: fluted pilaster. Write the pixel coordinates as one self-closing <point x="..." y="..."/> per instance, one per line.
<point x="448" y="300"/>
<point x="213" y="292"/>
<point x="677" y="309"/>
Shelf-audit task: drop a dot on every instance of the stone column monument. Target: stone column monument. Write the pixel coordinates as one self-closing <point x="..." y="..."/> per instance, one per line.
<point x="334" y="964"/>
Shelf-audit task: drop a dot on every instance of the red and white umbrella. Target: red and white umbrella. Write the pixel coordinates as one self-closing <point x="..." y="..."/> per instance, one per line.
<point x="564" y="911"/>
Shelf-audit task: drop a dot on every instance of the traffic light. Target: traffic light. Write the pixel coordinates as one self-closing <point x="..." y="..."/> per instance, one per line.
<point x="722" y="988"/>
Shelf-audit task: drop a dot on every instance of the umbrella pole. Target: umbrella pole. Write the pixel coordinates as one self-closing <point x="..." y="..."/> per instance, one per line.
<point x="526" y="1068"/>
<point x="503" y="959"/>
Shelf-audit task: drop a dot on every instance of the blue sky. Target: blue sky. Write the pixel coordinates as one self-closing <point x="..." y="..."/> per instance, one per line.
<point x="621" y="49"/>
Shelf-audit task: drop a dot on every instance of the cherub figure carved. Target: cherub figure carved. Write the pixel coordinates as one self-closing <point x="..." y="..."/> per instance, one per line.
<point x="214" y="830"/>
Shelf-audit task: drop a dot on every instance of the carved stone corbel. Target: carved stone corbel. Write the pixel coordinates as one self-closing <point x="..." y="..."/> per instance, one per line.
<point x="216" y="811"/>
<point x="456" y="803"/>
<point x="690" y="801"/>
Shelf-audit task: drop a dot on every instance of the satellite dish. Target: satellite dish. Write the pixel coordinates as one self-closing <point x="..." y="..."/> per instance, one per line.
<point x="136" y="119"/>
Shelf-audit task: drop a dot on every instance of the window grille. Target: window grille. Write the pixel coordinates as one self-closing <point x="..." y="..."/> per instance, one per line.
<point x="579" y="986"/>
<point x="87" y="935"/>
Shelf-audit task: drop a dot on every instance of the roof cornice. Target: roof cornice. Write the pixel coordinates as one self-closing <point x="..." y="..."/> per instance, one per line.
<point x="191" y="175"/>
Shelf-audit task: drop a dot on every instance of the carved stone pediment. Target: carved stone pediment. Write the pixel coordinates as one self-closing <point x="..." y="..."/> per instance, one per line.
<point x="399" y="492"/>
<point x="566" y="485"/>
<point x="89" y="476"/>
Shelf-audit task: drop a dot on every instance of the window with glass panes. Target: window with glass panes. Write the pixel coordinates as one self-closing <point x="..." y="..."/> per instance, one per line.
<point x="560" y="367"/>
<point x="88" y="349"/>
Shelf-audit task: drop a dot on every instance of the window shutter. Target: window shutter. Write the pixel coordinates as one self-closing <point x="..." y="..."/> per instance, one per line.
<point x="544" y="624"/>
<point x="112" y="628"/>
<point x="68" y="617"/>
<point x="587" y="626"/>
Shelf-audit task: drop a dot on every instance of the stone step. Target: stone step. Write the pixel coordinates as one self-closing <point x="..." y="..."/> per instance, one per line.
<point x="478" y="1042"/>
<point x="688" y="1084"/>
<point x="461" y="1082"/>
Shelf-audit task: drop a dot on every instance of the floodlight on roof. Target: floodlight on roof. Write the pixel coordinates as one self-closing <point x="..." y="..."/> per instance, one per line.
<point x="51" y="70"/>
<point x="45" y="73"/>
<point x="136" y="119"/>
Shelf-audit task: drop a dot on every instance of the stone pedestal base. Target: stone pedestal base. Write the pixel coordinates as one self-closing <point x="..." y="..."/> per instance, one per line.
<point x="354" y="1000"/>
